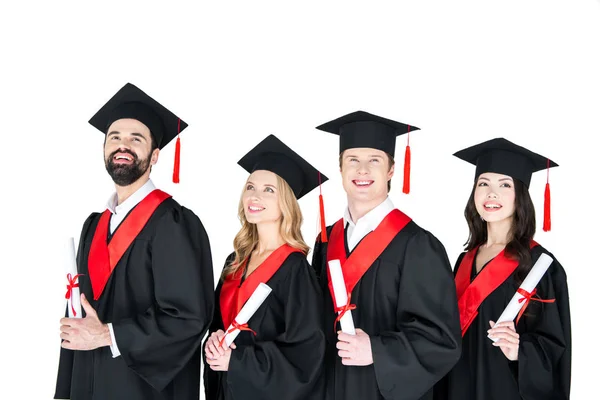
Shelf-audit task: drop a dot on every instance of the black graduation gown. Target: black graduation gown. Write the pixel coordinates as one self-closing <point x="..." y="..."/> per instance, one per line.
<point x="406" y="302"/>
<point x="159" y="299"/>
<point x="543" y="369"/>
<point x="285" y="358"/>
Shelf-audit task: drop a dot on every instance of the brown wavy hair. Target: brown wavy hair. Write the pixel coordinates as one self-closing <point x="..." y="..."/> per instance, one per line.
<point x="246" y="240"/>
<point x="521" y="232"/>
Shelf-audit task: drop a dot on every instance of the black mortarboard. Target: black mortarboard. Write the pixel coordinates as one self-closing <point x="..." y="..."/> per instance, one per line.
<point x="361" y="129"/>
<point x="504" y="157"/>
<point x="273" y="155"/>
<point x="131" y="102"/>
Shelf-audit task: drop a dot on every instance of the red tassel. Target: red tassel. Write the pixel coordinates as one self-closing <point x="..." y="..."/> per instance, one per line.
<point x="406" y="185"/>
<point x="547" y="221"/>
<point x="177" y="154"/>
<point x="322" y="214"/>
<point x="177" y="161"/>
<point x="322" y="217"/>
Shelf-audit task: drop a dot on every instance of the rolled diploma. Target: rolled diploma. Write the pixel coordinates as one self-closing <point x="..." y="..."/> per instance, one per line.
<point x="248" y="310"/>
<point x="341" y="295"/>
<point x="531" y="280"/>
<point x="71" y="268"/>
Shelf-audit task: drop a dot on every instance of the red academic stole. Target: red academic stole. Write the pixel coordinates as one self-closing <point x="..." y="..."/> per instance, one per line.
<point x="103" y="258"/>
<point x="365" y="253"/>
<point x="472" y="294"/>
<point x="234" y="296"/>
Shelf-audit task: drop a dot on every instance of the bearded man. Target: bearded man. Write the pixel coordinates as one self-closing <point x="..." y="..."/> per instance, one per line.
<point x="144" y="271"/>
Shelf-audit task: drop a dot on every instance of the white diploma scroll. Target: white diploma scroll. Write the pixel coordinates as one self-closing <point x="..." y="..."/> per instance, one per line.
<point x="341" y="295"/>
<point x="247" y="311"/>
<point x="73" y="298"/>
<point x="531" y="280"/>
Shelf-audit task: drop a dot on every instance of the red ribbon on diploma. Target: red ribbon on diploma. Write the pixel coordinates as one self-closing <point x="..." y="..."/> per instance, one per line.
<point x="342" y="310"/>
<point x="70" y="286"/>
<point x="527" y="297"/>
<point x="234" y="326"/>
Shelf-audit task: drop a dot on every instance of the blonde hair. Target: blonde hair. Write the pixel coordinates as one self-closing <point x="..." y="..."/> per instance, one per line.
<point x="246" y="239"/>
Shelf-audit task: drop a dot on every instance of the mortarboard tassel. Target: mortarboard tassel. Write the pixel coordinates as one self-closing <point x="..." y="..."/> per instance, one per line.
<point x="547" y="221"/>
<point x="177" y="155"/>
<point x="406" y="184"/>
<point x="322" y="214"/>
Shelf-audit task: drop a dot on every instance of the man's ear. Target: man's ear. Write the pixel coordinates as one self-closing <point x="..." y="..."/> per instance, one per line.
<point x="154" y="156"/>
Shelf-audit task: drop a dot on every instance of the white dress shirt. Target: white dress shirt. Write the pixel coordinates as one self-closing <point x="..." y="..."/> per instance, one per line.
<point x="119" y="212"/>
<point x="371" y="220"/>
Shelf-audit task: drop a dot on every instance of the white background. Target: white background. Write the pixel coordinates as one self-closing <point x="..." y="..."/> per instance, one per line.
<point x="462" y="71"/>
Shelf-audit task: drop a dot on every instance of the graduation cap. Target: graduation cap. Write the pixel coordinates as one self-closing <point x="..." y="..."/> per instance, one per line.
<point x="361" y="129"/>
<point x="273" y="155"/>
<point x="504" y="157"/>
<point x="131" y="102"/>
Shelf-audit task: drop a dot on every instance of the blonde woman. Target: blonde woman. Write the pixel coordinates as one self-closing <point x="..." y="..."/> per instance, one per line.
<point x="279" y="354"/>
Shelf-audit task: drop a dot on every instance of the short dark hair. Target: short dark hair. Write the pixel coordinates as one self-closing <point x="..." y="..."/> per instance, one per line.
<point x="153" y="143"/>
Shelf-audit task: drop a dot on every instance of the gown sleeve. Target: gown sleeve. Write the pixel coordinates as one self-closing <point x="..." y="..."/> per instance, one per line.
<point x="427" y="341"/>
<point x="544" y="363"/>
<point x="65" y="363"/>
<point x="212" y="379"/>
<point x="159" y="342"/>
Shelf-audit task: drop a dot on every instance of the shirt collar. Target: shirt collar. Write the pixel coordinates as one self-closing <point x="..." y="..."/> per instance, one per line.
<point x="373" y="218"/>
<point x="131" y="201"/>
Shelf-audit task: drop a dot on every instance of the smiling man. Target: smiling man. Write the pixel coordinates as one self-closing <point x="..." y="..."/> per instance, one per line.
<point x="146" y="274"/>
<point x="403" y="299"/>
